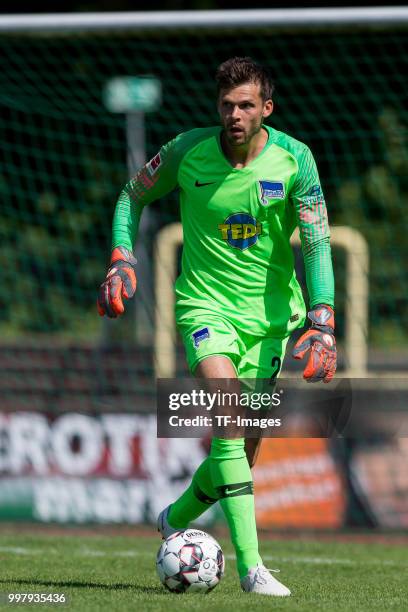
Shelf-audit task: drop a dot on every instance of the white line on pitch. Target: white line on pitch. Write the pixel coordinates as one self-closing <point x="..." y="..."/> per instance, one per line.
<point x="324" y="561"/>
<point x="286" y="559"/>
<point x="18" y="550"/>
<point x="89" y="552"/>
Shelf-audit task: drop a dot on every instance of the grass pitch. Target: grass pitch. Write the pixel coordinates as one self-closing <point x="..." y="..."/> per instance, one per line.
<point x="118" y="573"/>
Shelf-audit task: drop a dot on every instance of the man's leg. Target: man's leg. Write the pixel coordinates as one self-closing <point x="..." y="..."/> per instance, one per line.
<point x="230" y="472"/>
<point x="218" y="337"/>
<point x="230" y="477"/>
<point x="252" y="448"/>
<point x="195" y="500"/>
<point x="201" y="493"/>
<point x="263" y="360"/>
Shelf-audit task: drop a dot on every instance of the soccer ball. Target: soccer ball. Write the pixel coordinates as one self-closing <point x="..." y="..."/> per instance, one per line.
<point x="190" y="560"/>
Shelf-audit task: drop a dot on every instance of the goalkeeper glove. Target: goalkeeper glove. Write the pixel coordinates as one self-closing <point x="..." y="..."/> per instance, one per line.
<point x="120" y="283"/>
<point x="320" y="341"/>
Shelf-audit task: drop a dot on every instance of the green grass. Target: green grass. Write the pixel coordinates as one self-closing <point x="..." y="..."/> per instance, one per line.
<point x="118" y="573"/>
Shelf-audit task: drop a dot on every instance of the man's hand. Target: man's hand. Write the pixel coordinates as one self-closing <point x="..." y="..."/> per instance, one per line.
<point x="120" y="283"/>
<point x="320" y="341"/>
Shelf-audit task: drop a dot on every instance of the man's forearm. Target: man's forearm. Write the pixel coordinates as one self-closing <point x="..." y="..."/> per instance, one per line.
<point x="319" y="273"/>
<point x="126" y="220"/>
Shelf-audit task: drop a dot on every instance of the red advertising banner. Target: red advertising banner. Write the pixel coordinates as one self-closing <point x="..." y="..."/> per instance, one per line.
<point x="297" y="484"/>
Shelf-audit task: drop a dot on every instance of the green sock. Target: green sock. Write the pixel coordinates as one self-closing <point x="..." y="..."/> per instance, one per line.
<point x="199" y="496"/>
<point x="232" y="479"/>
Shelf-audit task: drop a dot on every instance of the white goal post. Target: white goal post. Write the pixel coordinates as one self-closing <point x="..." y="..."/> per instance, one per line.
<point x="146" y="20"/>
<point x="168" y="242"/>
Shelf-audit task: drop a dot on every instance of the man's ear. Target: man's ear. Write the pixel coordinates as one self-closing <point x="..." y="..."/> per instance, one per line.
<point x="268" y="108"/>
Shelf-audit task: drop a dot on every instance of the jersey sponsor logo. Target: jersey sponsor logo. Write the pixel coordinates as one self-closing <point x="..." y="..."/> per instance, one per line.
<point x="198" y="184"/>
<point x="314" y="195"/>
<point x="200" y="335"/>
<point x="314" y="191"/>
<point x="240" y="230"/>
<point x="154" y="164"/>
<point x="271" y="190"/>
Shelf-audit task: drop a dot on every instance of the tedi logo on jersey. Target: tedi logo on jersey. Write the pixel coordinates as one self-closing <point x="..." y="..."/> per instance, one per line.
<point x="240" y="230"/>
<point x="271" y="190"/>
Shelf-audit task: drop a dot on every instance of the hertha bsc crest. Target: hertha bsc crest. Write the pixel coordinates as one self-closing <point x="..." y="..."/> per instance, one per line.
<point x="271" y="190"/>
<point x="200" y="335"/>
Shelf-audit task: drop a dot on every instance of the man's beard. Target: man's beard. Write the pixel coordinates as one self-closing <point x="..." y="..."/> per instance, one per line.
<point x="247" y="138"/>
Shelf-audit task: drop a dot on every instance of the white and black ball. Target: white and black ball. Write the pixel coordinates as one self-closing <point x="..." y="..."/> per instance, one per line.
<point x="190" y="560"/>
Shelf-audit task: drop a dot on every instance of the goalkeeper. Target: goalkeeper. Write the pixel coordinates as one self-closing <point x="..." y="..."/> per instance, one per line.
<point x="244" y="187"/>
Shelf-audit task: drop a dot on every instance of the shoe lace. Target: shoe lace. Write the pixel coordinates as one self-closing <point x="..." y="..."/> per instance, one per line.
<point x="262" y="574"/>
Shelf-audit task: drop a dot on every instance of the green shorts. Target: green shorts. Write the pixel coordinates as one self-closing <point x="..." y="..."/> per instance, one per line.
<point x="206" y="334"/>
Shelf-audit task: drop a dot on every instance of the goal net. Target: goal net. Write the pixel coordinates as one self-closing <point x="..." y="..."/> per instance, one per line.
<point x="340" y="88"/>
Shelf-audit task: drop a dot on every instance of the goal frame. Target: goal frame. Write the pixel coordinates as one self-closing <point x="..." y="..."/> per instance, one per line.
<point x="214" y="19"/>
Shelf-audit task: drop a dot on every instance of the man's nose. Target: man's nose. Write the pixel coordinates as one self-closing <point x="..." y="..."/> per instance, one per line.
<point x="235" y="112"/>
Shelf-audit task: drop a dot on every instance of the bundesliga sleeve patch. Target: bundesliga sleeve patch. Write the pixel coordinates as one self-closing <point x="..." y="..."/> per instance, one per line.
<point x="200" y="335"/>
<point x="154" y="164"/>
<point x="271" y="190"/>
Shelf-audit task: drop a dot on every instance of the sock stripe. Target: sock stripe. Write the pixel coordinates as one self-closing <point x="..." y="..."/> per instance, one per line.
<point x="235" y="489"/>
<point x="203" y="497"/>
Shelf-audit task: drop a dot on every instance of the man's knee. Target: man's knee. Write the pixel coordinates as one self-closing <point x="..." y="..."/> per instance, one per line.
<point x="251" y="459"/>
<point x="252" y="447"/>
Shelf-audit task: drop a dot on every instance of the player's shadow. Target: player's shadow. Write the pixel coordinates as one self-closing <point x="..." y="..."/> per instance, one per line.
<point x="85" y="584"/>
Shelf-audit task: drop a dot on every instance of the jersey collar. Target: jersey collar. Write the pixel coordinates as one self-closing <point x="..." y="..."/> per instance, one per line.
<point x="268" y="143"/>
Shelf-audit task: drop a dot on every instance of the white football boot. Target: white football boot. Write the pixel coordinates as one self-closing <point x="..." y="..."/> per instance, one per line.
<point x="259" y="580"/>
<point x="163" y="526"/>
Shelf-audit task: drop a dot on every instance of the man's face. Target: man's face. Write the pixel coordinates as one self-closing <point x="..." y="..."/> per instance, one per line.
<point x="242" y="112"/>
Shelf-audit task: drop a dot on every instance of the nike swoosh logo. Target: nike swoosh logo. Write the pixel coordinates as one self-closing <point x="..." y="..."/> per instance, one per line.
<point x="230" y="491"/>
<point x="197" y="184"/>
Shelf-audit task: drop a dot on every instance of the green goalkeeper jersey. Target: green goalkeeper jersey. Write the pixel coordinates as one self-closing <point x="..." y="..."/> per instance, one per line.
<point x="237" y="223"/>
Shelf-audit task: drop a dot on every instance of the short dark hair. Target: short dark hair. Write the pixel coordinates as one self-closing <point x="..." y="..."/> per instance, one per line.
<point x="239" y="70"/>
